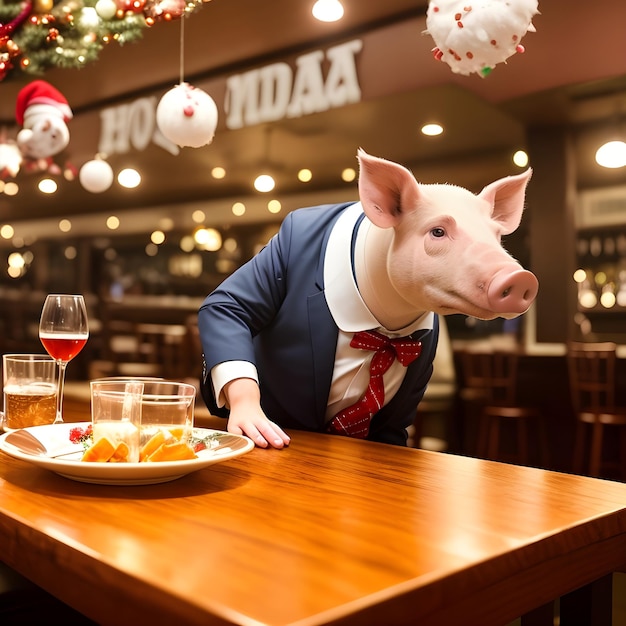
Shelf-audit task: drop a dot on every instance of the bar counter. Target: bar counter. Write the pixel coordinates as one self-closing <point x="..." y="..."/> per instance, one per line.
<point x="328" y="531"/>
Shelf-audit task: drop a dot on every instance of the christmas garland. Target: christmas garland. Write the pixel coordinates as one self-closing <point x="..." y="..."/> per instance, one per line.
<point x="37" y="35"/>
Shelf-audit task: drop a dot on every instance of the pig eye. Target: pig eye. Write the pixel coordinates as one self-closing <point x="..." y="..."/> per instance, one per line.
<point x="438" y="232"/>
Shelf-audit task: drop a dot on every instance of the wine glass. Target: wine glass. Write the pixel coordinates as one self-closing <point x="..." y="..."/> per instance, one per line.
<point x="63" y="331"/>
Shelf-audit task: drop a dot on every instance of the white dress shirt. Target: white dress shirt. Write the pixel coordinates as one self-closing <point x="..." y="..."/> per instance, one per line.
<point x="351" y="371"/>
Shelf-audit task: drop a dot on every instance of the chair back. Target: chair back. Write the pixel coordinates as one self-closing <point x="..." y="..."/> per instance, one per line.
<point x="591" y="370"/>
<point x="492" y="372"/>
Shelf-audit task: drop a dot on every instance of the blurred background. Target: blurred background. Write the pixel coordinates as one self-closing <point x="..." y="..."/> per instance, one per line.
<point x="146" y="255"/>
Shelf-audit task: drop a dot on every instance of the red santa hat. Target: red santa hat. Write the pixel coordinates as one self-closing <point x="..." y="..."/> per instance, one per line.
<point x="41" y="92"/>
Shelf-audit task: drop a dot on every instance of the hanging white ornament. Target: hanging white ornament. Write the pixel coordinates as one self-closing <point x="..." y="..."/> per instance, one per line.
<point x="10" y="158"/>
<point x="187" y="116"/>
<point x="475" y="37"/>
<point x="96" y="176"/>
<point x="106" y="9"/>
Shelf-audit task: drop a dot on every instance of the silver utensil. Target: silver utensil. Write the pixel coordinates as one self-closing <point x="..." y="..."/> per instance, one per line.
<point x="28" y="443"/>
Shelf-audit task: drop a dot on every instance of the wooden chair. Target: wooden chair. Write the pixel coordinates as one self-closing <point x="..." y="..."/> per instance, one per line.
<point x="591" y="370"/>
<point x="493" y="377"/>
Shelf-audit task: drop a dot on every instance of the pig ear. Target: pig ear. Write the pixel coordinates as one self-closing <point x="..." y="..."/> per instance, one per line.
<point x="507" y="198"/>
<point x="386" y="190"/>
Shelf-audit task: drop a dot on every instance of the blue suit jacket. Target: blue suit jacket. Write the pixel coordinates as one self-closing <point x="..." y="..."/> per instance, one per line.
<point x="272" y="312"/>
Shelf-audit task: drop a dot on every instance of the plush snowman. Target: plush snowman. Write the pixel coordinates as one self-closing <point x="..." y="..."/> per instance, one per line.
<point x="42" y="111"/>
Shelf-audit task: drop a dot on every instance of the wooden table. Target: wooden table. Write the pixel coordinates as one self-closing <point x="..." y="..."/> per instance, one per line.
<point x="328" y="531"/>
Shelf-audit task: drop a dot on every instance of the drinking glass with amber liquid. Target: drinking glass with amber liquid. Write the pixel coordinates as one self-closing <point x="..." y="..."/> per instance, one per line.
<point x="30" y="390"/>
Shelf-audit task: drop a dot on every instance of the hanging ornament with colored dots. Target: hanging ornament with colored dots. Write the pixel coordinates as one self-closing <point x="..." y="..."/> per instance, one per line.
<point x="473" y="37"/>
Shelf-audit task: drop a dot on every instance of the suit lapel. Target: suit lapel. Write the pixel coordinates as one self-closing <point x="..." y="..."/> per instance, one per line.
<point x="323" y="336"/>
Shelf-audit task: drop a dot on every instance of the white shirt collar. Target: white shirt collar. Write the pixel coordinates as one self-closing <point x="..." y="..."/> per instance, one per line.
<point x="342" y="295"/>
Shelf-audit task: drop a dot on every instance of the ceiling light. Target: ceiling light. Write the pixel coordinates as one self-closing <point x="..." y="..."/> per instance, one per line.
<point x="47" y="185"/>
<point x="348" y="175"/>
<point x="157" y="237"/>
<point x="230" y="245"/>
<point x="198" y="216"/>
<point x="7" y="231"/>
<point x="238" y="209"/>
<point x="520" y="158"/>
<point x="218" y="172"/>
<point x="432" y="130"/>
<point x="305" y="175"/>
<point x="264" y="183"/>
<point x="208" y="239"/>
<point x="11" y="189"/>
<point x="607" y="298"/>
<point x="16" y="265"/>
<point x="187" y="243"/>
<point x="274" y="206"/>
<point x="129" y="178"/>
<point x="327" y="10"/>
<point x="612" y="154"/>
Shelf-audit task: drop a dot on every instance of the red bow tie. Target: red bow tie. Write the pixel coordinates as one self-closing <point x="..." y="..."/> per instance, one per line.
<point x="406" y="349"/>
<point x="354" y="421"/>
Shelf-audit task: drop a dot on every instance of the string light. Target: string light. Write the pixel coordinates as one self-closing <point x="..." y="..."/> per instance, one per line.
<point x="38" y="36"/>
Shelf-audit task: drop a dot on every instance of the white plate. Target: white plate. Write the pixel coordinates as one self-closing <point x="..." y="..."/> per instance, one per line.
<point x="56" y="438"/>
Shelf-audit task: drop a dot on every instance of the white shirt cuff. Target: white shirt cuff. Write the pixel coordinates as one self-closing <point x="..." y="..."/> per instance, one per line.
<point x="224" y="372"/>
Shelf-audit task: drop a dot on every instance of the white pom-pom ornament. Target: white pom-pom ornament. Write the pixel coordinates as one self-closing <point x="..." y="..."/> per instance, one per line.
<point x="10" y="159"/>
<point x="475" y="35"/>
<point x="187" y="116"/>
<point x="96" y="176"/>
<point x="106" y="9"/>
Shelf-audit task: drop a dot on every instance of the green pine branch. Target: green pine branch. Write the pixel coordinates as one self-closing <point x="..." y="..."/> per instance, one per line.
<point x="44" y="43"/>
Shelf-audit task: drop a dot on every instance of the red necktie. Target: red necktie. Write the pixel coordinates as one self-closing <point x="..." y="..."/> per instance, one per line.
<point x="354" y="421"/>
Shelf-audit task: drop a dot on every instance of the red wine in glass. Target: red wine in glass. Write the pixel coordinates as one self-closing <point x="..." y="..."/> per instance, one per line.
<point x="63" y="331"/>
<point x="62" y="347"/>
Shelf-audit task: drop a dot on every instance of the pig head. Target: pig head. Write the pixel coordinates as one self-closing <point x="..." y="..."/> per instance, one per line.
<point x="438" y="247"/>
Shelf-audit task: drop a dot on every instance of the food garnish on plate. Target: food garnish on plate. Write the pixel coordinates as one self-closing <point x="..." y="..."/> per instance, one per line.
<point x="164" y="445"/>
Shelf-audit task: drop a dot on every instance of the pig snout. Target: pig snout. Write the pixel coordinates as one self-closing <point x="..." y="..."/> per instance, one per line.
<point x="512" y="290"/>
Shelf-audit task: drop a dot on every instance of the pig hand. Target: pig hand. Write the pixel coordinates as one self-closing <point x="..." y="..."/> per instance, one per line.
<point x="247" y="416"/>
